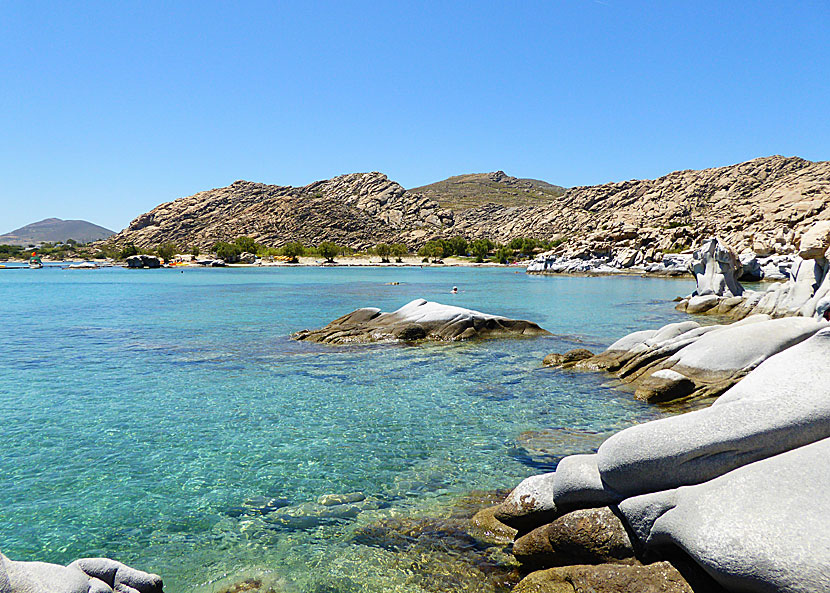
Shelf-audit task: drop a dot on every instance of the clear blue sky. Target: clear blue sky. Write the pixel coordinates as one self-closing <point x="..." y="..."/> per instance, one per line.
<point x="110" y="108"/>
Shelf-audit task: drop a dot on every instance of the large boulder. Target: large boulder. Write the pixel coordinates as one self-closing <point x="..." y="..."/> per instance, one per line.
<point x="815" y="241"/>
<point x="779" y="406"/>
<point x="418" y="320"/>
<point x="88" y="575"/>
<point x="716" y="268"/>
<point x="762" y="527"/>
<point x="685" y="359"/>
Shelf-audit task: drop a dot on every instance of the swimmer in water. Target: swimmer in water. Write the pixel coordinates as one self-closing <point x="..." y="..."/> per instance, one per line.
<point x="454" y="290"/>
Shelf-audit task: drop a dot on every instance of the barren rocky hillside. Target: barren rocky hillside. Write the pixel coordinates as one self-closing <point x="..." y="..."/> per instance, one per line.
<point x="762" y="204"/>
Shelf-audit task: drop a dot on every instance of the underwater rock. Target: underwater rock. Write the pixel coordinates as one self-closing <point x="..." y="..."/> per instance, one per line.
<point x="418" y="320"/>
<point x="568" y="359"/>
<point x="660" y="577"/>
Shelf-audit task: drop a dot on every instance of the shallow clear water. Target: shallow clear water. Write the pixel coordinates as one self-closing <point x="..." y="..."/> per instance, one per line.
<point x="147" y="415"/>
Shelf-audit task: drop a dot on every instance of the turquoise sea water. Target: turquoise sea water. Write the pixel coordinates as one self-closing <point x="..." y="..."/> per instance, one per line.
<point x="157" y="417"/>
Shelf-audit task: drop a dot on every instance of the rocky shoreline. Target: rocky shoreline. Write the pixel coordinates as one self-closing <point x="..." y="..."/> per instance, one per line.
<point x="703" y="488"/>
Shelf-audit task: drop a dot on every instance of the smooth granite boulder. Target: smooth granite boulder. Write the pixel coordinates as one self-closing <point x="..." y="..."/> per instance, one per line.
<point x="779" y="406"/>
<point x="716" y="268"/>
<point x="740" y="347"/>
<point x="415" y="321"/>
<point x="685" y="359"/>
<point x="763" y="527"/>
<point x="773" y="409"/>
<point x="88" y="575"/>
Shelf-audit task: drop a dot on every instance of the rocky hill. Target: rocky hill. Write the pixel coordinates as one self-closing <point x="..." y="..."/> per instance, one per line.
<point x="762" y="204"/>
<point x="469" y="191"/>
<point x="55" y="230"/>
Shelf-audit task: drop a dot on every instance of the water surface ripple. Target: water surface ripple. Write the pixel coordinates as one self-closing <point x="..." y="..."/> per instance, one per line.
<point x="159" y="417"/>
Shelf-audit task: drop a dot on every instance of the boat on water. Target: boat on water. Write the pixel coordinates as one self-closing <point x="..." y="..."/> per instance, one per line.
<point x="35" y="262"/>
<point x="87" y="265"/>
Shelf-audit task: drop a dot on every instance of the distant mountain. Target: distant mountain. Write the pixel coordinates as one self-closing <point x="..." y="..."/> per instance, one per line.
<point x="55" y="230"/>
<point x="476" y="189"/>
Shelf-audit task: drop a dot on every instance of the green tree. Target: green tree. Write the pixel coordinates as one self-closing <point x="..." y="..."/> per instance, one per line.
<point x="480" y="248"/>
<point x="328" y="250"/>
<point x="246" y="244"/>
<point x="167" y="251"/>
<point x="503" y="254"/>
<point x="128" y="250"/>
<point x="293" y="251"/>
<point x="229" y="252"/>
<point x="432" y="249"/>
<point x="398" y="251"/>
<point x="383" y="250"/>
<point x="458" y="245"/>
<point x="195" y="251"/>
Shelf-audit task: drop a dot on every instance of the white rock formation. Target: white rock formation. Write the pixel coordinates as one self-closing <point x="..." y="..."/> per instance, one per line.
<point x="753" y="515"/>
<point x="88" y="575"/>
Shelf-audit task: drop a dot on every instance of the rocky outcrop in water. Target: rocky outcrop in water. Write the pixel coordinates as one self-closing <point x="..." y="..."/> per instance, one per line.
<point x="415" y="321"/>
<point x="88" y="575"/>
<point x="740" y="487"/>
<point x="763" y="205"/>
<point x="806" y="291"/>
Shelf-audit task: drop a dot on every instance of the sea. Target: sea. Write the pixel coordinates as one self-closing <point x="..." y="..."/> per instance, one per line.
<point x="166" y="419"/>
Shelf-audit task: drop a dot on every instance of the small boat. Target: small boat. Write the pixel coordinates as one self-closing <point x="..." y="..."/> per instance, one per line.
<point x="87" y="265"/>
<point x="34" y="262"/>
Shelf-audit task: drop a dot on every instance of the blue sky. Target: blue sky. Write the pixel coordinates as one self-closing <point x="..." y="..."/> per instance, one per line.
<point x="110" y="108"/>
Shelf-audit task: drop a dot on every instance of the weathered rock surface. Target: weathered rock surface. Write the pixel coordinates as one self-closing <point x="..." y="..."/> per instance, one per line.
<point x="585" y="536"/>
<point x="418" y="320"/>
<point x="660" y="577"/>
<point x="685" y="359"/>
<point x="741" y="486"/>
<point x="715" y="268"/>
<point x="763" y="205"/>
<point x="88" y="575"/>
<point x="761" y="527"/>
<point x="143" y="261"/>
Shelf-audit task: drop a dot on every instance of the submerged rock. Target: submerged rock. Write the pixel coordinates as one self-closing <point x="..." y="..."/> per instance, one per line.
<point x="568" y="359"/>
<point x="660" y="577"/>
<point x="87" y="575"/>
<point x="418" y="320"/>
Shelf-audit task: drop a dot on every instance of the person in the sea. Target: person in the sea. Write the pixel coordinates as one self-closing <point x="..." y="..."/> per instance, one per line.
<point x="454" y="290"/>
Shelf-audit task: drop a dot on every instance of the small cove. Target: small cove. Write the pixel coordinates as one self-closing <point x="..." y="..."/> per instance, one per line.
<point x="158" y="417"/>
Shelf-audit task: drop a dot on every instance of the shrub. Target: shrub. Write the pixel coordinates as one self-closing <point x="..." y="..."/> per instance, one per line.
<point x="128" y="251"/>
<point x="194" y="251"/>
<point x="432" y="249"/>
<point x="167" y="251"/>
<point x="503" y="254"/>
<point x="480" y="248"/>
<point x="457" y="246"/>
<point x="246" y="244"/>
